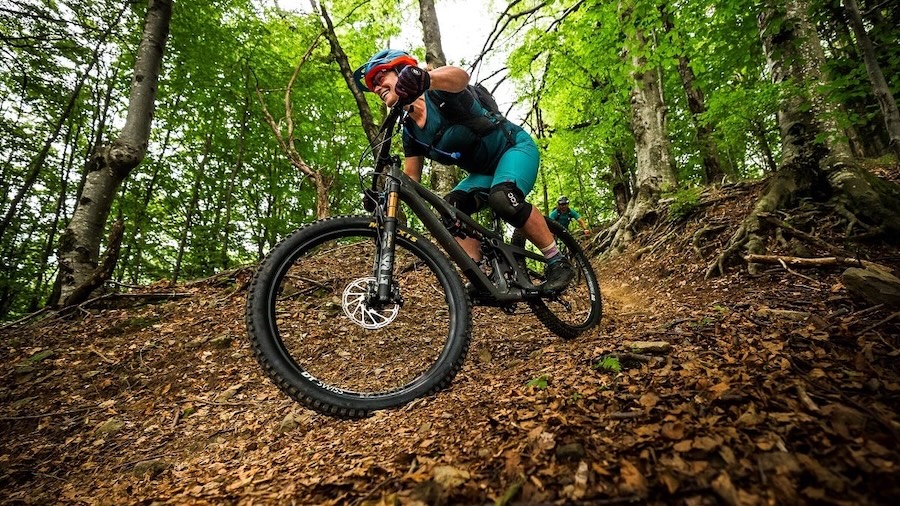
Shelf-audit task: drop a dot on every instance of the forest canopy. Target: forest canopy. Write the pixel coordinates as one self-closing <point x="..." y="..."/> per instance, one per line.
<point x="217" y="188"/>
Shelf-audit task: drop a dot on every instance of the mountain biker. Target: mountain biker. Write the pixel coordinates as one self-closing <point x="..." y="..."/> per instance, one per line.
<point x="564" y="215"/>
<point x="501" y="160"/>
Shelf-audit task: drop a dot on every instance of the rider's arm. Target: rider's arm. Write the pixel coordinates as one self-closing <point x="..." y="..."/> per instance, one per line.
<point x="412" y="167"/>
<point x="583" y="225"/>
<point x="449" y="78"/>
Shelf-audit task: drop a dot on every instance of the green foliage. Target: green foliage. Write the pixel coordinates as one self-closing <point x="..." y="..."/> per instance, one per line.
<point x="540" y="383"/>
<point x="608" y="363"/>
<point x="683" y="202"/>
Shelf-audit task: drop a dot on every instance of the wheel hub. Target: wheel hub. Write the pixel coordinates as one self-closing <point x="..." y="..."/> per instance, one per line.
<point x="355" y="305"/>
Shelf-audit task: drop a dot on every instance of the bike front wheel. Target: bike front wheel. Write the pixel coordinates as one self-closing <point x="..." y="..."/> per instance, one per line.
<point x="318" y="338"/>
<point x="579" y="306"/>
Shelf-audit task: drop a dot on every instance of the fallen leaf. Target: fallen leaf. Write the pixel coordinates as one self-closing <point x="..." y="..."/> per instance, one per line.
<point x="724" y="488"/>
<point x="673" y="430"/>
<point x="631" y="481"/>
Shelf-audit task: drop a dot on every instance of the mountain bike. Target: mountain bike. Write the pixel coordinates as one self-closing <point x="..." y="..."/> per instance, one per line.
<point x="353" y="314"/>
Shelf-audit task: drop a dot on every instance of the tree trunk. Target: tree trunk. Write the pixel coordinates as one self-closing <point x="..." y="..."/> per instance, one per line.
<point x="443" y="177"/>
<point x="655" y="171"/>
<point x="337" y="52"/>
<point x="38" y="162"/>
<point x="431" y="31"/>
<point x="137" y="233"/>
<point x="709" y="150"/>
<point x="229" y="194"/>
<point x="759" y="131"/>
<point x="80" y="245"/>
<point x="321" y="182"/>
<point x="53" y="229"/>
<point x="880" y="88"/>
<point x="621" y="186"/>
<point x="191" y="209"/>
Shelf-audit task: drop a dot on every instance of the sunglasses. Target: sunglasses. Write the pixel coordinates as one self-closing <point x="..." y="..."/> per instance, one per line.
<point x="379" y="77"/>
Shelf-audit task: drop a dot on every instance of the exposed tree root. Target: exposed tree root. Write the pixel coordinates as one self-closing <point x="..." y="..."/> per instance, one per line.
<point x="698" y="236"/>
<point x="856" y="196"/>
<point x="641" y="210"/>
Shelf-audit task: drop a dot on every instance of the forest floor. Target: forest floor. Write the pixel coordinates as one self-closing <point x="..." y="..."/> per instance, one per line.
<point x="775" y="389"/>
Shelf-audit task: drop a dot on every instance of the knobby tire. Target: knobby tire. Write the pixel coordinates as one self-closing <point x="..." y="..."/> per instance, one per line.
<point x="309" y="347"/>
<point x="579" y="306"/>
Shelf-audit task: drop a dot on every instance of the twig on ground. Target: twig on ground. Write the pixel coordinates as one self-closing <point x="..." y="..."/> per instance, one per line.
<point x="880" y="323"/>
<point x="44" y="415"/>
<point x="794" y="272"/>
<point x="626" y="415"/>
<point x="806" y="399"/>
<point x="95" y="351"/>
<point x="369" y="494"/>
<point x="810" y="262"/>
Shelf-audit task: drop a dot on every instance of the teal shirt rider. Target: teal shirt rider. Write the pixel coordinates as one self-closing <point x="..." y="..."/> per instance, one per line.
<point x="564" y="218"/>
<point x="452" y="143"/>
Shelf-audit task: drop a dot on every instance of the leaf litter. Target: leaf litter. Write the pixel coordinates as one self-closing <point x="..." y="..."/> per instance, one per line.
<point x="738" y="401"/>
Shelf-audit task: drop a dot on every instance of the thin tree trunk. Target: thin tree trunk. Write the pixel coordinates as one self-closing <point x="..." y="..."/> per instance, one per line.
<point x="759" y="131"/>
<point x="655" y="170"/>
<point x="587" y="211"/>
<point x="287" y="142"/>
<point x="621" y="186"/>
<point x="229" y="193"/>
<point x="137" y="243"/>
<point x="880" y="88"/>
<point x="337" y="52"/>
<point x="192" y="208"/>
<point x="80" y="245"/>
<point x="37" y="163"/>
<point x="443" y="177"/>
<point x="65" y="170"/>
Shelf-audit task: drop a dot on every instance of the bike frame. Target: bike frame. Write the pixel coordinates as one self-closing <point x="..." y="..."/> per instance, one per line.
<point x="398" y="187"/>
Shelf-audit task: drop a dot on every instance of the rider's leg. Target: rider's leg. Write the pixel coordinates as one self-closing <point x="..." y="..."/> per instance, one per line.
<point x="467" y="197"/>
<point x="514" y="178"/>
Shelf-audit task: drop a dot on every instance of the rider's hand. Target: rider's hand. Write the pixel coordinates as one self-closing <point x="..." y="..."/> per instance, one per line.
<point x="587" y="232"/>
<point x="411" y="82"/>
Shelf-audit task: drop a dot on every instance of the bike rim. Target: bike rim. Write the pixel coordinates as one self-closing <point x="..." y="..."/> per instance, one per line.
<point x="345" y="359"/>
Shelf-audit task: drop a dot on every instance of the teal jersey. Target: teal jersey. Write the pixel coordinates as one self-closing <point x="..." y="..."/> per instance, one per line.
<point x="564" y="218"/>
<point x="452" y="143"/>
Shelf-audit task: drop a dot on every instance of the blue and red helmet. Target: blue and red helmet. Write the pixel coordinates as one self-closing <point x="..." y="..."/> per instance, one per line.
<point x="383" y="60"/>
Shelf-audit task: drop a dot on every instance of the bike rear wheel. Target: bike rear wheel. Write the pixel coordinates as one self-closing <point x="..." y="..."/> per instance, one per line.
<point x="577" y="308"/>
<point x="321" y="343"/>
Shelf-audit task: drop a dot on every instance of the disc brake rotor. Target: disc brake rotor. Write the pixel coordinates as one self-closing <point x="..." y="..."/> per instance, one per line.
<point x="355" y="307"/>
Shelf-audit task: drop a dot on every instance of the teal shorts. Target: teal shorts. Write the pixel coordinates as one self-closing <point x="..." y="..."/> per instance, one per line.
<point x="519" y="165"/>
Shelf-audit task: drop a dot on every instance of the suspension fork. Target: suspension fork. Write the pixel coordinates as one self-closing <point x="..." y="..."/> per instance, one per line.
<point x="384" y="267"/>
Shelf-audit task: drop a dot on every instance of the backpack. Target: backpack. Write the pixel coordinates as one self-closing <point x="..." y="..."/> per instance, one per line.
<point x="480" y="124"/>
<point x="484" y="97"/>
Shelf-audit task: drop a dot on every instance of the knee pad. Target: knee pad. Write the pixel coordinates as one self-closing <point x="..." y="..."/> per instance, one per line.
<point x="509" y="203"/>
<point x="467" y="202"/>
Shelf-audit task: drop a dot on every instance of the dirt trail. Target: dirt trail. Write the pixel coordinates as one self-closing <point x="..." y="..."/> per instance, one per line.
<point x="772" y="391"/>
